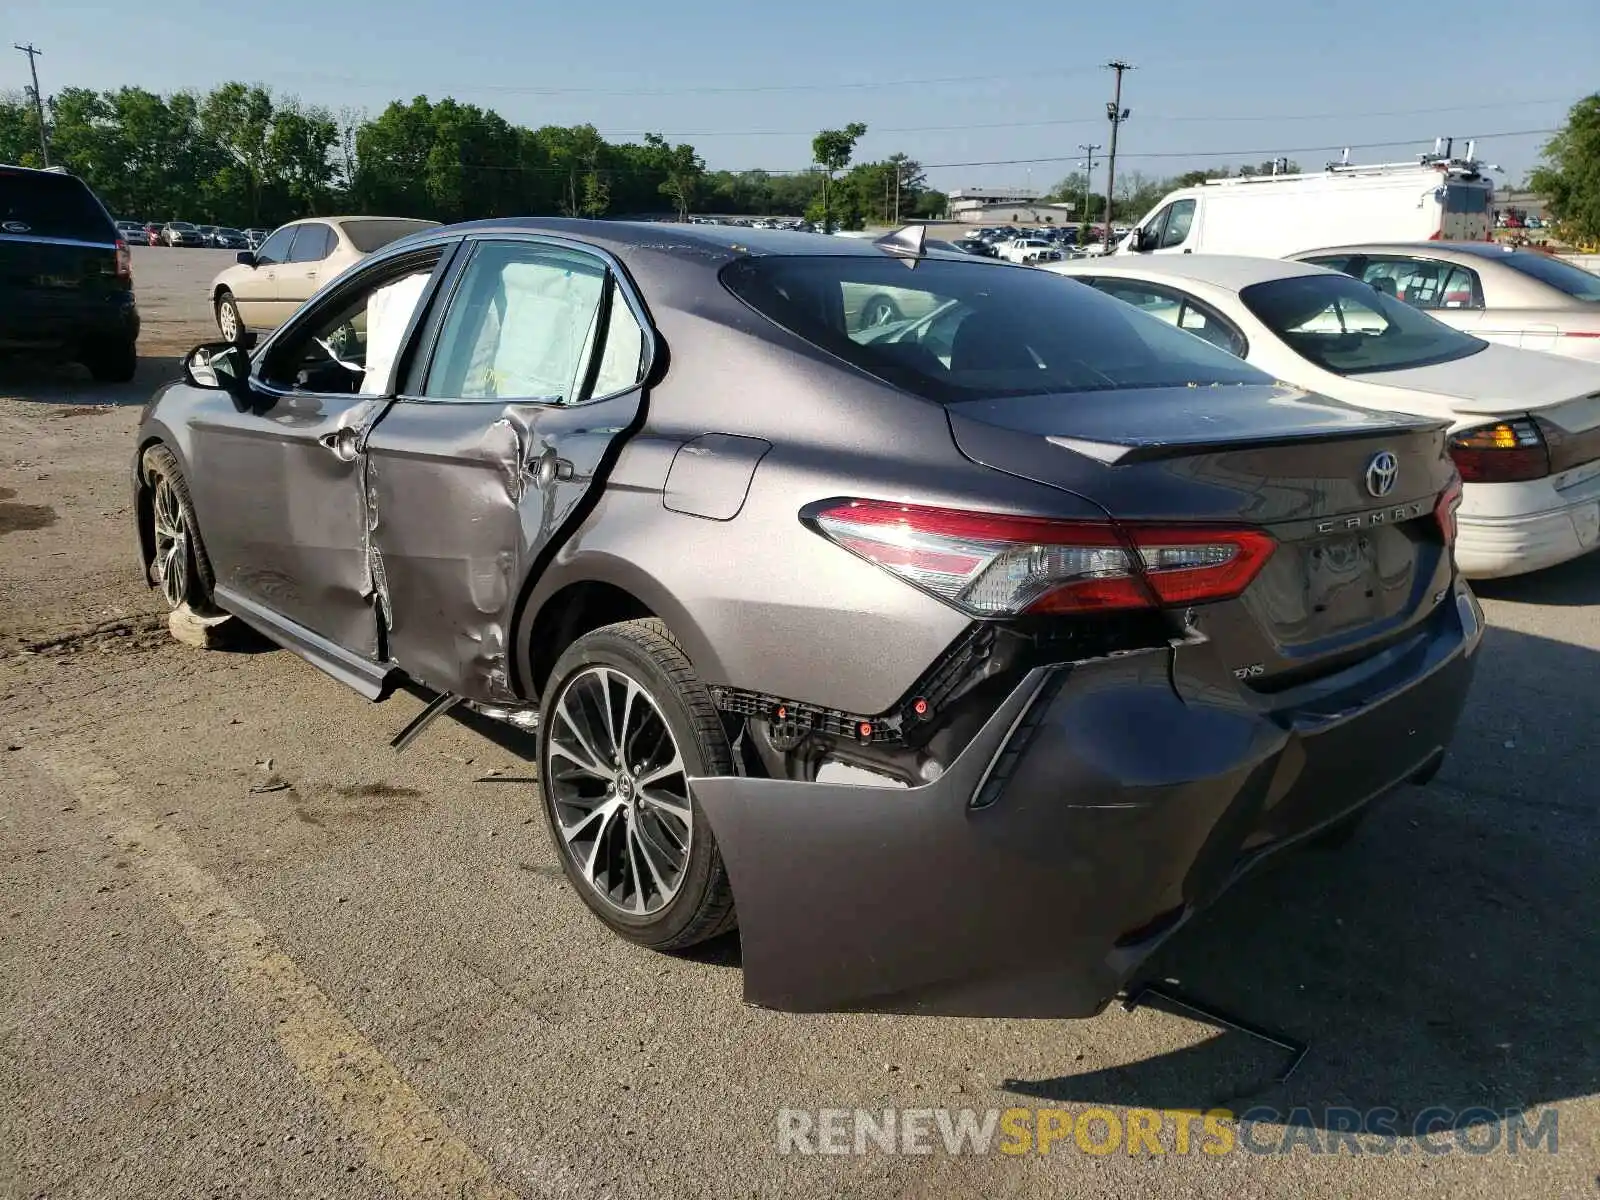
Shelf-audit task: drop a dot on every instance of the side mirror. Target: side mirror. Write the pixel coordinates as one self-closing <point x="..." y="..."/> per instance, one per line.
<point x="245" y="258"/>
<point x="1142" y="241"/>
<point x="218" y="366"/>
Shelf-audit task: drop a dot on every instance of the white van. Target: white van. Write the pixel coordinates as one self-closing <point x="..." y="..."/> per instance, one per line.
<point x="1273" y="216"/>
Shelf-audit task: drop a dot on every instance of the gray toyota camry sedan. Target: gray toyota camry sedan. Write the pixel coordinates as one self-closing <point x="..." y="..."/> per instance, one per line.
<point x="953" y="630"/>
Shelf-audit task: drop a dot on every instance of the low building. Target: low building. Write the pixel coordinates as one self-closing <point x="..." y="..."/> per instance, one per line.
<point x="1006" y="206"/>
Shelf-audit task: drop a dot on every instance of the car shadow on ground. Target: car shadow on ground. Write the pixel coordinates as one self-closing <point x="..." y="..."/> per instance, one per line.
<point x="41" y="381"/>
<point x="1574" y="583"/>
<point x="1448" y="956"/>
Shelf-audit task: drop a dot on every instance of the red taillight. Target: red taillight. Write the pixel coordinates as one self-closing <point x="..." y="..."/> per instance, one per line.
<point x="1444" y="511"/>
<point x="124" y="261"/>
<point x="1436" y="236"/>
<point x="1504" y="452"/>
<point x="991" y="565"/>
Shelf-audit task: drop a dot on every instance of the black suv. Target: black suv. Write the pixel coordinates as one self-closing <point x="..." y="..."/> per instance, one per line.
<point x="66" y="275"/>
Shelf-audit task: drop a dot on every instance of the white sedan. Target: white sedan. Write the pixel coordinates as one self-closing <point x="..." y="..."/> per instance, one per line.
<point x="1525" y="425"/>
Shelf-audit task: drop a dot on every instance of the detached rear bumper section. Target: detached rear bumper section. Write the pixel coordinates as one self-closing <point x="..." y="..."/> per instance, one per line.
<point x="1101" y="805"/>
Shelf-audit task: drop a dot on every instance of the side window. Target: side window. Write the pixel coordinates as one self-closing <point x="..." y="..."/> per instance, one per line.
<point x="1417" y="281"/>
<point x="1461" y="289"/>
<point x="1334" y="262"/>
<point x="1156" y="301"/>
<point x="622" y="353"/>
<point x="276" y="248"/>
<point x="1151" y="230"/>
<point x="519" y="325"/>
<point x="310" y="243"/>
<point x="1179" y="220"/>
<point x="1203" y="323"/>
<point x="348" y="347"/>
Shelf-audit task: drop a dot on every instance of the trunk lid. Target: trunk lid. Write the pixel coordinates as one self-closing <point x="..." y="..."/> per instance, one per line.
<point x="1496" y="381"/>
<point x="1353" y="568"/>
<point x="51" y="267"/>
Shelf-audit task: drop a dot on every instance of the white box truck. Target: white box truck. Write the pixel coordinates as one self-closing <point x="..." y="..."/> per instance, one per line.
<point x="1271" y="216"/>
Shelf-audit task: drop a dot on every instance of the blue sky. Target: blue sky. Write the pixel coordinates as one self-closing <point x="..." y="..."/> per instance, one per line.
<point x="946" y="82"/>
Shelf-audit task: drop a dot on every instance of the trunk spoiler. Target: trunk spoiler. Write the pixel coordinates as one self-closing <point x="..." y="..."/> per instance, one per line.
<point x="1120" y="451"/>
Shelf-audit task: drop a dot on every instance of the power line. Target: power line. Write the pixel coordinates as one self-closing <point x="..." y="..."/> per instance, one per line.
<point x="1081" y="121"/>
<point x="1278" y="150"/>
<point x="860" y="85"/>
<point x="1257" y="153"/>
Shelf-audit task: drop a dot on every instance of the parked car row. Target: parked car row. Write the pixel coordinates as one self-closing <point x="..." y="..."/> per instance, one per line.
<point x="183" y="233"/>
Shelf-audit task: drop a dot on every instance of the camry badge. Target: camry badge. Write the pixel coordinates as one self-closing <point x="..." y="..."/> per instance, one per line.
<point x="1382" y="472"/>
<point x="17" y="227"/>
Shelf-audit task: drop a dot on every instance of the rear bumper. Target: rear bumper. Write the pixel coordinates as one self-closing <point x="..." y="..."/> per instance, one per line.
<point x="1493" y="547"/>
<point x="35" y="319"/>
<point x="1114" y="800"/>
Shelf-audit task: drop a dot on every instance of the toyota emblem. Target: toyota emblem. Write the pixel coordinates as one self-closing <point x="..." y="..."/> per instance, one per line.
<point x="1382" y="472"/>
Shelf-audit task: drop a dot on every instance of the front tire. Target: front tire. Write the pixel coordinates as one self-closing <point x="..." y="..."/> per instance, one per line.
<point x="229" y="323"/>
<point x="181" y="567"/>
<point x="626" y="722"/>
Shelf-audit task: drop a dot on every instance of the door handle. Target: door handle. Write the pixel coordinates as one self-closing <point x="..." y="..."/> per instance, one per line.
<point x="551" y="468"/>
<point x="342" y="442"/>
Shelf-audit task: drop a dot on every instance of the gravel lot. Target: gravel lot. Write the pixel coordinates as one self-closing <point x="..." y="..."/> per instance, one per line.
<point x="250" y="951"/>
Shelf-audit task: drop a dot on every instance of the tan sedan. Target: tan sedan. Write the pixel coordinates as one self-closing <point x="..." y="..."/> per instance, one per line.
<point x="259" y="292"/>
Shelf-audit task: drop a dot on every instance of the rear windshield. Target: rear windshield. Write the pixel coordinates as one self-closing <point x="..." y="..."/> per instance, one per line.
<point x="46" y="205"/>
<point x="1466" y="198"/>
<point x="367" y="236"/>
<point x="1350" y="328"/>
<point x="958" y="329"/>
<point x="1574" y="281"/>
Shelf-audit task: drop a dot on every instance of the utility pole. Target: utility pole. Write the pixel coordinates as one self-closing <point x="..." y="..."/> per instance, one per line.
<point x="33" y="52"/>
<point x="1117" y="115"/>
<point x="1088" y="177"/>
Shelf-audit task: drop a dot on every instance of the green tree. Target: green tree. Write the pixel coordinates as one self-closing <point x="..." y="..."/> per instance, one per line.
<point x="684" y="169"/>
<point x="300" y="156"/>
<point x="1569" y="176"/>
<point x="19" y="130"/>
<point x="832" y="150"/>
<point x="237" y="120"/>
<point x="596" y="195"/>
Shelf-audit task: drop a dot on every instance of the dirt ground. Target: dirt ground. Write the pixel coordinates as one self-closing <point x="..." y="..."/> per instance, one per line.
<point x="249" y="951"/>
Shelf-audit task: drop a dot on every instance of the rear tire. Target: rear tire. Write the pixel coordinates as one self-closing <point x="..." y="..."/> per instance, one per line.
<point x="182" y="568"/>
<point x="625" y="723"/>
<point x="229" y="323"/>
<point x="112" y="362"/>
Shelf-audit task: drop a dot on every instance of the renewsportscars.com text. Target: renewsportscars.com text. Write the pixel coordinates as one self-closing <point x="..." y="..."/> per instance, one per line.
<point x="1149" y="1131"/>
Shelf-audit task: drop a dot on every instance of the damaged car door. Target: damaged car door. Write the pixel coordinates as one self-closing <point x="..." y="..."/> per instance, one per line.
<point x="494" y="440"/>
<point x="279" y="476"/>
